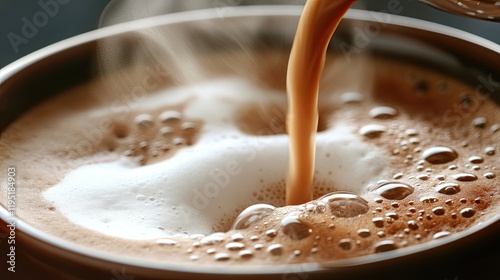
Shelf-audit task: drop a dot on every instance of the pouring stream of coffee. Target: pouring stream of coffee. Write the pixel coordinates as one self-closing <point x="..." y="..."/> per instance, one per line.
<point x="316" y="26"/>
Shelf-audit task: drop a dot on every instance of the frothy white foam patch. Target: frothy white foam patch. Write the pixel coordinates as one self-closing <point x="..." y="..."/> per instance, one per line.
<point x="191" y="191"/>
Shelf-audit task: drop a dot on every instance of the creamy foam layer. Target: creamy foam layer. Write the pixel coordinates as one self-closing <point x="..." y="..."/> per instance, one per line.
<point x="193" y="190"/>
<point x="75" y="130"/>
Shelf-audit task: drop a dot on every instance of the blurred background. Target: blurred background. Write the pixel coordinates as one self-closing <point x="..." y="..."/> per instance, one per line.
<point x="28" y="25"/>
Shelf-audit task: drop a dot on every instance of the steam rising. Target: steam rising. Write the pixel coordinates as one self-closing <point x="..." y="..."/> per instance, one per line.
<point x="183" y="53"/>
<point x="192" y="52"/>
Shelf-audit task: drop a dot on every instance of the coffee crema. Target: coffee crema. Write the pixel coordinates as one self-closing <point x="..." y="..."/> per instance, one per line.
<point x="406" y="157"/>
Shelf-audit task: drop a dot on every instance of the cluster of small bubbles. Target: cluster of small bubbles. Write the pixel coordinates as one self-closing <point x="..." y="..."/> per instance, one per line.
<point x="372" y="130"/>
<point x="429" y="199"/>
<point x="343" y="204"/>
<point x="152" y="139"/>
<point x="251" y="215"/>
<point x="383" y="112"/>
<point x="317" y="207"/>
<point x="448" y="188"/>
<point x="394" y="190"/>
<point x="212" y="239"/>
<point x="439" y="155"/>
<point x="392" y="215"/>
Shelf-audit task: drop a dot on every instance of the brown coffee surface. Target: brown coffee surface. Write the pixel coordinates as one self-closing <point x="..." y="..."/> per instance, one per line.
<point x="432" y="196"/>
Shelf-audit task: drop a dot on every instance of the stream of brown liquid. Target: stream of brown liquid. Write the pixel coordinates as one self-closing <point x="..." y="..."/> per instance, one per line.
<point x="316" y="26"/>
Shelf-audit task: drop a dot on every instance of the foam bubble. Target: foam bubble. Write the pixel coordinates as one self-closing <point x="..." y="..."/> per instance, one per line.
<point x="198" y="186"/>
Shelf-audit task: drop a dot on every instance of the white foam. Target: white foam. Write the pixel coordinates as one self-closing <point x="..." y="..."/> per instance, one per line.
<point x="191" y="191"/>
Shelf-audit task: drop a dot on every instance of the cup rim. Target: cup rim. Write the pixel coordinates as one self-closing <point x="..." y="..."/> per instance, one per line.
<point x="103" y="258"/>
